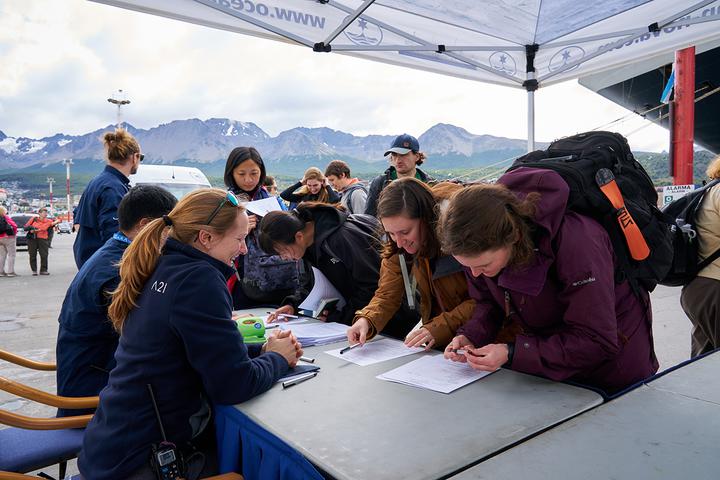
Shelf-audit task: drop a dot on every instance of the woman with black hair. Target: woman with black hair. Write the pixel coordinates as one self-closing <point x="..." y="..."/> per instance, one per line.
<point x="343" y="247"/>
<point x="261" y="278"/>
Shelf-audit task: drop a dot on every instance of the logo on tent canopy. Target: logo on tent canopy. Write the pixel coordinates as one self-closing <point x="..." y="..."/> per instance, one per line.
<point x="362" y="32"/>
<point x="564" y="56"/>
<point x="504" y="62"/>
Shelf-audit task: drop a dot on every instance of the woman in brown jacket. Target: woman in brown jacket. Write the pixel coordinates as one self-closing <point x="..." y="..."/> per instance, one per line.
<point x="409" y="211"/>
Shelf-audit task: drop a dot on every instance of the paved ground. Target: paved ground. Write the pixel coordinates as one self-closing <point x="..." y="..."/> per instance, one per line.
<point x="30" y="307"/>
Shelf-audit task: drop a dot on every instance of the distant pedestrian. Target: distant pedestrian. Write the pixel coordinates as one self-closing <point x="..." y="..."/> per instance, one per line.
<point x="312" y="188"/>
<point x="38" y="229"/>
<point x="405" y="158"/>
<point x="96" y="214"/>
<point x="8" y="232"/>
<point x="353" y="194"/>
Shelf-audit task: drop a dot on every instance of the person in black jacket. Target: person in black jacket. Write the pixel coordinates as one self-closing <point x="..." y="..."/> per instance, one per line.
<point x="405" y="158"/>
<point x="312" y="188"/>
<point x="174" y="315"/>
<point x="343" y="247"/>
<point x="86" y="340"/>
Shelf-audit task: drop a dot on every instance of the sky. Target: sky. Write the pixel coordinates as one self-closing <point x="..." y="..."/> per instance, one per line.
<point x="61" y="60"/>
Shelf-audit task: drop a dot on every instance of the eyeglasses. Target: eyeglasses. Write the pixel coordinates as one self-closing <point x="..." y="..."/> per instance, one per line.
<point x="142" y="157"/>
<point x="229" y="198"/>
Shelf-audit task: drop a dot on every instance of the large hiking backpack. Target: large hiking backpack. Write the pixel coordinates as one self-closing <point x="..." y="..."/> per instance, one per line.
<point x="686" y="264"/>
<point x="579" y="159"/>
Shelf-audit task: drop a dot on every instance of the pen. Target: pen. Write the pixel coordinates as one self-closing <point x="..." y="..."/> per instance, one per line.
<point x="286" y="315"/>
<point x="307" y="359"/>
<point x="348" y="348"/>
<point x="298" y="379"/>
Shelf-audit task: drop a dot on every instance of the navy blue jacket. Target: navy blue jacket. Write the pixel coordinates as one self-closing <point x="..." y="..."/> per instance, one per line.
<point x="181" y="340"/>
<point x="86" y="338"/>
<point x="97" y="212"/>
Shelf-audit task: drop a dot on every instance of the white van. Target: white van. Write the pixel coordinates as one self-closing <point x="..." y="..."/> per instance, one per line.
<point x="177" y="180"/>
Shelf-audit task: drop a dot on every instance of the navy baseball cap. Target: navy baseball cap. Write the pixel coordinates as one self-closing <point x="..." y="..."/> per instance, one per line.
<point x="403" y="144"/>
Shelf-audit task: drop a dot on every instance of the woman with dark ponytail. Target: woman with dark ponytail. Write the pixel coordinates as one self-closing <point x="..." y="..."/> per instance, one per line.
<point x="343" y="247"/>
<point x="261" y="278"/>
<point x="174" y="315"/>
<point x="551" y="271"/>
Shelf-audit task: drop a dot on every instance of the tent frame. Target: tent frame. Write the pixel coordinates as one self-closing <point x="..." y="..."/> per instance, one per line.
<point x="532" y="81"/>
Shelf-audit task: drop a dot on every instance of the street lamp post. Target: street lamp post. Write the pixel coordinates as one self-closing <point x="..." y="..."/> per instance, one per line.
<point x="50" y="181"/>
<point x="67" y="162"/>
<point x="119" y="99"/>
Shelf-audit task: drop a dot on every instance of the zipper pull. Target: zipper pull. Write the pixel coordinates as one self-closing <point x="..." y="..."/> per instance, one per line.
<point x="507" y="304"/>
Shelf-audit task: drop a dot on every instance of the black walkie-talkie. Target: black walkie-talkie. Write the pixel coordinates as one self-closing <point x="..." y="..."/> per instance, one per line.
<point x="166" y="460"/>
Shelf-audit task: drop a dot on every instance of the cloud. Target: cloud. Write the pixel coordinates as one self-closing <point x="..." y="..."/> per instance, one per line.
<point x="62" y="60"/>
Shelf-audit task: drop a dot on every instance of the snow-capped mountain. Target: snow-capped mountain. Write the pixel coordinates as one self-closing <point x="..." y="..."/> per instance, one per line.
<point x="210" y="141"/>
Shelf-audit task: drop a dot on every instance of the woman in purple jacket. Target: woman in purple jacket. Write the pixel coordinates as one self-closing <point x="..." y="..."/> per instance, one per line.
<point x="550" y="272"/>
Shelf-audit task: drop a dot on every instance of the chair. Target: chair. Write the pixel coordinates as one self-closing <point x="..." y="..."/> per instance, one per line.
<point x="25" y="362"/>
<point x="34" y="443"/>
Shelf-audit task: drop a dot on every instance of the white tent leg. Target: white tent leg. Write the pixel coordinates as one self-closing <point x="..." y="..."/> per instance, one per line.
<point x="531" y="116"/>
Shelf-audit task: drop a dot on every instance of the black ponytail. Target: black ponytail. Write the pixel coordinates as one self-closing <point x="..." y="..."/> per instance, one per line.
<point x="281" y="227"/>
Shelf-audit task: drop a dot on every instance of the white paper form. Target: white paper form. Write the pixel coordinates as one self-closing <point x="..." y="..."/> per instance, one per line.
<point x="317" y="333"/>
<point x="434" y="373"/>
<point x="264" y="206"/>
<point x="322" y="290"/>
<point x="375" y="352"/>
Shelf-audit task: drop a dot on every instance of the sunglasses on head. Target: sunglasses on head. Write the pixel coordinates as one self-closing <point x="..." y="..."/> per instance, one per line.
<point x="229" y="198"/>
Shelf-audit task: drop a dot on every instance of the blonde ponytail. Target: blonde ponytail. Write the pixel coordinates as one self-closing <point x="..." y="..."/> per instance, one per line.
<point x="137" y="264"/>
<point x="183" y="224"/>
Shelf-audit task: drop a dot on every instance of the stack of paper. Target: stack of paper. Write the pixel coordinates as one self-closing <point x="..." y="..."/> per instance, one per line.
<point x="375" y="352"/>
<point x="434" y="373"/>
<point x="310" y="334"/>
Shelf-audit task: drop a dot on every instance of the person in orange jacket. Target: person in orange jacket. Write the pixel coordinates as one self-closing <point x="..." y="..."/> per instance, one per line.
<point x="38" y="242"/>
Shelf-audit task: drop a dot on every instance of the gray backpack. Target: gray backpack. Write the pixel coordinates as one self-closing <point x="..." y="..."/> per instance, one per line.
<point x="267" y="278"/>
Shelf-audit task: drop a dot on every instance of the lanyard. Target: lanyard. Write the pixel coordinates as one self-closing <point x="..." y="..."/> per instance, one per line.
<point x="119" y="236"/>
<point x="410" y="285"/>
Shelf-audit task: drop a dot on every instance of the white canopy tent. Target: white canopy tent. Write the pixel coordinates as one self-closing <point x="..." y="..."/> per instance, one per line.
<point x="517" y="43"/>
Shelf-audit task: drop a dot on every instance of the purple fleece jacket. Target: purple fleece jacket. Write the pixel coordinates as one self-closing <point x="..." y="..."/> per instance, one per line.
<point x="577" y="323"/>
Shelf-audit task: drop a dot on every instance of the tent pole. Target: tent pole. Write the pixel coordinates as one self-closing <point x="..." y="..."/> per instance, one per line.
<point x="531" y="84"/>
<point x="531" y="116"/>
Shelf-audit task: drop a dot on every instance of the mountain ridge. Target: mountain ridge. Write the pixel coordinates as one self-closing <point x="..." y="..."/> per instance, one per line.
<point x="206" y="143"/>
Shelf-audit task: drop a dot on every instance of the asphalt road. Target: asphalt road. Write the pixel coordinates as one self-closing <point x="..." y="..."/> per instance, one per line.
<point x="30" y="308"/>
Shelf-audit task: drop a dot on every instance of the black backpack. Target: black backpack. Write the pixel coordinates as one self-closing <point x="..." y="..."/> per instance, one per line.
<point x="686" y="264"/>
<point x="5" y="227"/>
<point x="577" y="159"/>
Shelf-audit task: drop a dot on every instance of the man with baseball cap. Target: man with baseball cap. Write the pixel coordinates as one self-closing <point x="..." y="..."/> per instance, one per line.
<point x="405" y="156"/>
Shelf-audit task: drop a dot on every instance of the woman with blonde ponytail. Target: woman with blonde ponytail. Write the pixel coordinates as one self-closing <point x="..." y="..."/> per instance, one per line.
<point x="173" y="311"/>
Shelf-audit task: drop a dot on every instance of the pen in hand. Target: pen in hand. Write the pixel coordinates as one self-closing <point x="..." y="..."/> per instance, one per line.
<point x="348" y="348"/>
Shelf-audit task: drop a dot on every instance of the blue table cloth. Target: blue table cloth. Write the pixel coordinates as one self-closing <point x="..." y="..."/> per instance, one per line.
<point x="244" y="446"/>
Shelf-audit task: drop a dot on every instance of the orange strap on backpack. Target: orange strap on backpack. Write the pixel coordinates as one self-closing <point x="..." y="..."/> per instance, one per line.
<point x="636" y="243"/>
